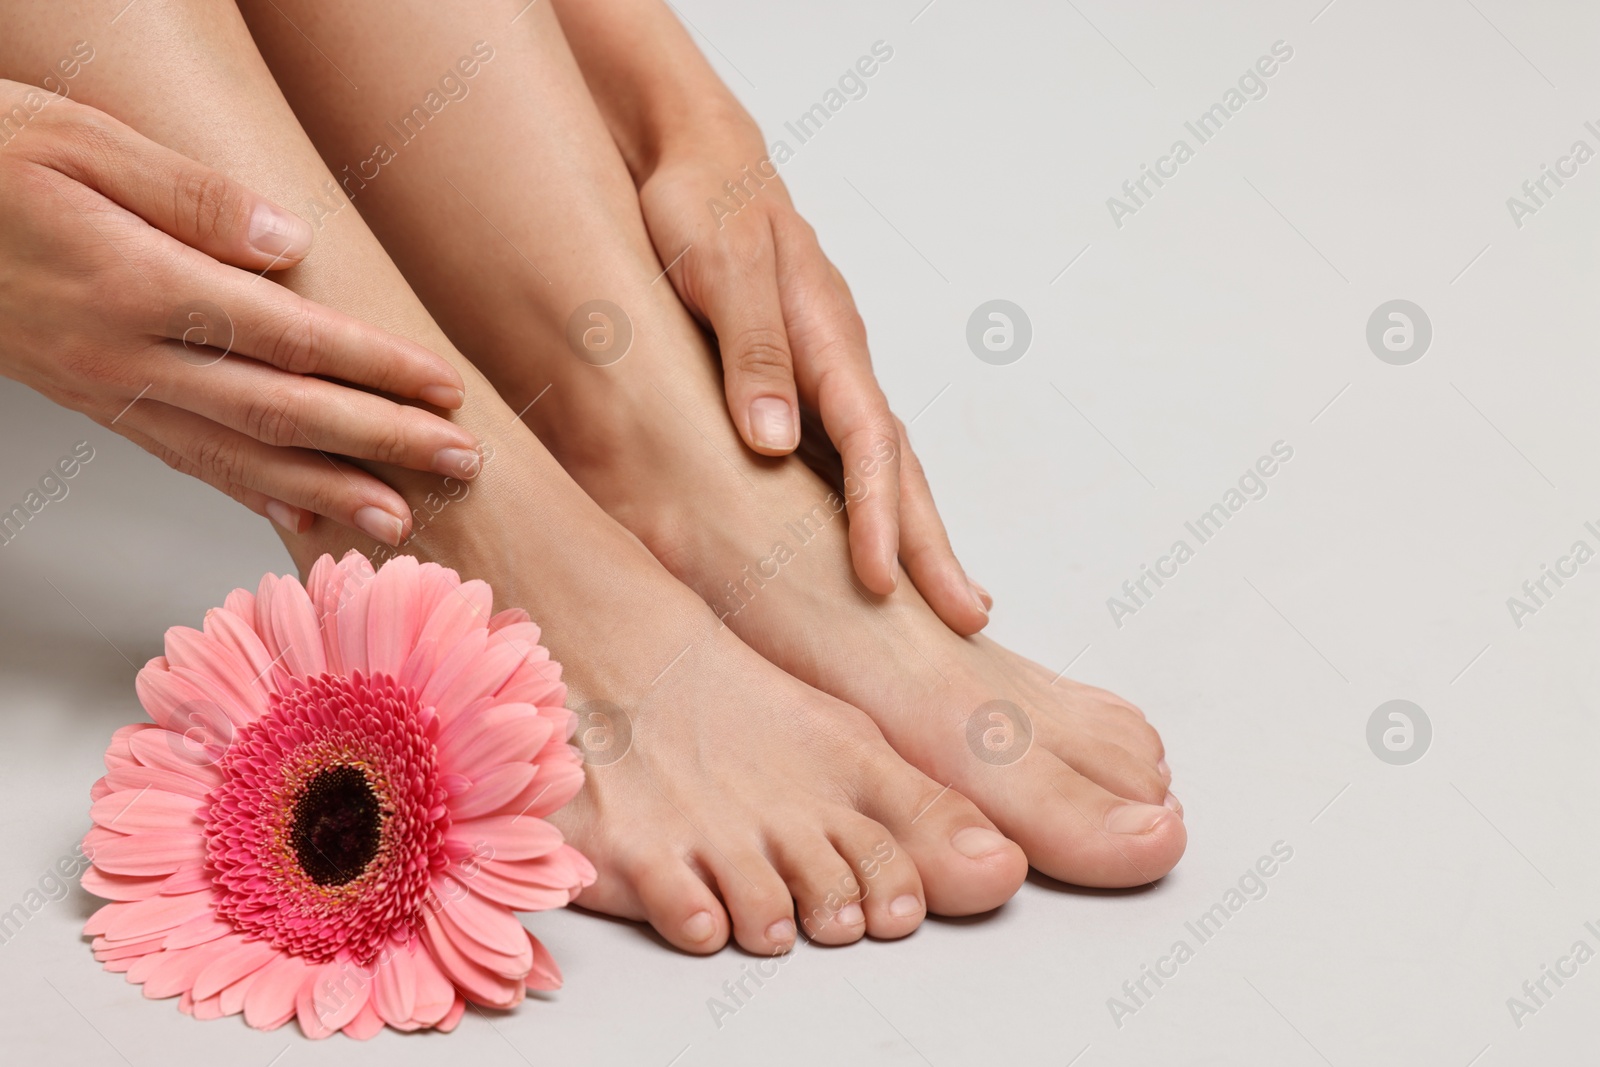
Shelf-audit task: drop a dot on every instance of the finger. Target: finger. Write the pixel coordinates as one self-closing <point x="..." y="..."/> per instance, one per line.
<point x="191" y="202"/>
<point x="739" y="295"/>
<point x="291" y="410"/>
<point x="835" y="376"/>
<point x="305" y="481"/>
<point x="925" y="550"/>
<point x="265" y="321"/>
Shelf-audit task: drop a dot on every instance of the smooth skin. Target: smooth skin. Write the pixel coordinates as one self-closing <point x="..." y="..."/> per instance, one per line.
<point x="650" y="437"/>
<point x="102" y="225"/>
<point x="748" y="804"/>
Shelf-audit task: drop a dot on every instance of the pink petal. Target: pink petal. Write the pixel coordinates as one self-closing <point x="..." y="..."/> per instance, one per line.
<point x="240" y="602"/>
<point x="351" y="622"/>
<point x="219" y="661"/>
<point x="119" y="887"/>
<point x="544" y="975"/>
<point x="508" y="836"/>
<point x="491" y="792"/>
<point x="189" y="878"/>
<point x="335" y="994"/>
<point x="511" y="967"/>
<point x="394" y="990"/>
<point x="155" y="853"/>
<point x="457" y="1009"/>
<point x="137" y="778"/>
<point x="270" y="1000"/>
<point x="147" y="810"/>
<point x="190" y="753"/>
<point x="158" y="915"/>
<point x="246" y="958"/>
<point x="208" y="1009"/>
<point x="457" y="615"/>
<point x="295" y="631"/>
<point x="106" y="951"/>
<point x="518" y="893"/>
<point x="365" y="1025"/>
<point x="508" y="617"/>
<point x="455" y="662"/>
<point x="118" y="754"/>
<point x="232" y="998"/>
<point x="481" y="986"/>
<point x="483" y="921"/>
<point x="198" y="931"/>
<point x="177" y="969"/>
<point x="505" y="733"/>
<point x="436" y="994"/>
<point x="556" y="782"/>
<point x="394" y="616"/>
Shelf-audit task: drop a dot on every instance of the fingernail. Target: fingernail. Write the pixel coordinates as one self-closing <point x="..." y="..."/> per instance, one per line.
<point x="379" y="525"/>
<point x="283" y="515"/>
<point x="1166" y="772"/>
<point x="981" y="600"/>
<point x="442" y="396"/>
<point x="975" y="841"/>
<point x="457" y="463"/>
<point x="904" y="905"/>
<point x="772" y="423"/>
<point x="1134" y="818"/>
<point x="781" y="932"/>
<point x="1172" y="802"/>
<point x="278" y="233"/>
<point x="699" y="926"/>
<point x="851" y="915"/>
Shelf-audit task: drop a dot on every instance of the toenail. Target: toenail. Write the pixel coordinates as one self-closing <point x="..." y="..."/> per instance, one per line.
<point x="781" y="932"/>
<point x="1134" y="818"/>
<point x="975" y="841"/>
<point x="851" y="915"/>
<point x="1166" y="772"/>
<point x="1172" y="802"/>
<point x="699" y="926"/>
<point x="904" y="905"/>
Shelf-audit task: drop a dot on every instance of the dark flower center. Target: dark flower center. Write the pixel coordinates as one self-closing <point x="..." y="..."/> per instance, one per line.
<point x="336" y="826"/>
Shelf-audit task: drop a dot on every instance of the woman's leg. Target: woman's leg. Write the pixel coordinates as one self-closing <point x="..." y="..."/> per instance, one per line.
<point x="510" y="210"/>
<point x="743" y="788"/>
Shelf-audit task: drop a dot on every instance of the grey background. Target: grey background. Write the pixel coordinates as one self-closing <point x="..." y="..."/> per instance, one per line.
<point x="1167" y="355"/>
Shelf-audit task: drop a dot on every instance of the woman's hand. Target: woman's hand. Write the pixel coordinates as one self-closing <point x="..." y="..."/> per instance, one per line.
<point x="790" y="334"/>
<point x="132" y="289"/>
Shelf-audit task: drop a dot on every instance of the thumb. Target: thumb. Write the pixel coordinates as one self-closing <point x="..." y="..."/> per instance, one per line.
<point x="184" y="199"/>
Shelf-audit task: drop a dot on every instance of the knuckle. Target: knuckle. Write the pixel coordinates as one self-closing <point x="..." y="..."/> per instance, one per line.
<point x="218" y="459"/>
<point x="763" y="352"/>
<point x="207" y="199"/>
<point x="390" y="440"/>
<point x="267" y="418"/>
<point x="293" y="342"/>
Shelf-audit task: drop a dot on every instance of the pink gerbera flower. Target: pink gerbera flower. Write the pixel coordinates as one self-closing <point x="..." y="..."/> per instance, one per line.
<point x="338" y="806"/>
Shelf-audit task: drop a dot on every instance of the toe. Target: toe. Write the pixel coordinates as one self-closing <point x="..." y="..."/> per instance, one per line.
<point x="675" y="900"/>
<point x="1076" y="831"/>
<point x="1108" y="764"/>
<point x="827" y="893"/>
<point x="758" y="901"/>
<point x="965" y="864"/>
<point x="891" y="893"/>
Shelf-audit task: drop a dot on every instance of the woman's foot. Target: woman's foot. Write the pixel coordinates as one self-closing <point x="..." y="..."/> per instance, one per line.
<point x="723" y="797"/>
<point x="1072" y="773"/>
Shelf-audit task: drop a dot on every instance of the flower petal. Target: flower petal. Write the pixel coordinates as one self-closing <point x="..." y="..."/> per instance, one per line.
<point x="510" y="837"/>
<point x="118" y="886"/>
<point x="146" y="810"/>
<point x="246" y="957"/>
<point x="394" y="616"/>
<point x="175" y="972"/>
<point x="544" y="975"/>
<point x="394" y="988"/>
<point x="146" y="854"/>
<point x="219" y="661"/>
<point x="167" y="750"/>
<point x="479" y="985"/>
<point x="506" y="733"/>
<point x="335" y="994"/>
<point x="485" y="923"/>
<point x="491" y="792"/>
<point x="158" y="915"/>
<point x="270" y="1000"/>
<point x="366" y="1024"/>
<point x="436" y="994"/>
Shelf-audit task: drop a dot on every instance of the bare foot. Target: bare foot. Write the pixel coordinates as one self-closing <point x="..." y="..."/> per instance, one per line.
<point x="722" y="794"/>
<point x="1074" y="774"/>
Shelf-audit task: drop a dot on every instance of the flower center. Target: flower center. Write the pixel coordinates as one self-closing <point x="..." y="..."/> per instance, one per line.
<point x="336" y="826"/>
